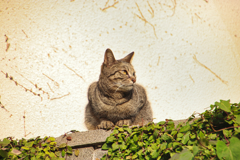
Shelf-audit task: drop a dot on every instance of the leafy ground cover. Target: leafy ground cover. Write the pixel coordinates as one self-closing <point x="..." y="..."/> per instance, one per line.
<point x="33" y="149"/>
<point x="213" y="135"/>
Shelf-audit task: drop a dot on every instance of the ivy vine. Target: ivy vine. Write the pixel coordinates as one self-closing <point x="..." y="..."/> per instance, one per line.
<point x="214" y="134"/>
<point x="33" y="149"/>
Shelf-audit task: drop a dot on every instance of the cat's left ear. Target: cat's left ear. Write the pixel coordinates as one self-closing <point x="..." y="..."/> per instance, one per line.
<point x="109" y="58"/>
<point x="128" y="58"/>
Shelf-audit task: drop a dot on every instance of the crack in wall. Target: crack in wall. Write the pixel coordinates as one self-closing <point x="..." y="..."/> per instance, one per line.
<point x="204" y="66"/>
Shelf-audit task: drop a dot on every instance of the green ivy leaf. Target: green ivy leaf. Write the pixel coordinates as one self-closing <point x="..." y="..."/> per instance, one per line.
<point x="186" y="155"/>
<point x="115" y="131"/>
<point x="235" y="146"/>
<point x="120" y="129"/>
<point x="185" y="138"/>
<point x="4" y="154"/>
<point x="53" y="143"/>
<point x="140" y="144"/>
<point x="69" y="148"/>
<point x="212" y="136"/>
<point x="227" y="133"/>
<point x="161" y="123"/>
<point x="224" y="105"/>
<point x="69" y="152"/>
<point x="151" y="139"/>
<point x="25" y="148"/>
<point x="185" y="128"/>
<point x="222" y="149"/>
<point x="115" y="146"/>
<point x="32" y="150"/>
<point x="129" y="130"/>
<point x="63" y="145"/>
<point x="45" y="138"/>
<point x="237" y="119"/>
<point x="170" y="125"/>
<point x="135" y="156"/>
<point x="5" y="142"/>
<point x="237" y="129"/>
<point x="63" y="153"/>
<point x="133" y="148"/>
<point x="154" y="154"/>
<point x="57" y="153"/>
<point x="52" y="139"/>
<point x="231" y="152"/>
<point x="179" y="135"/>
<point x="123" y="147"/>
<point x="52" y="155"/>
<point x="175" y="144"/>
<point x="155" y="133"/>
<point x="105" y="146"/>
<point x="111" y="139"/>
<point x="163" y="146"/>
<point x="135" y="138"/>
<point x="29" y="144"/>
<point x="154" y="146"/>
<point x="201" y="135"/>
<point x="195" y="150"/>
<point x="34" y="158"/>
<point x="165" y="137"/>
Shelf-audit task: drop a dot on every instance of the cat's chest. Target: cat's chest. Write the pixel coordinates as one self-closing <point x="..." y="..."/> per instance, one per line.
<point x="131" y="104"/>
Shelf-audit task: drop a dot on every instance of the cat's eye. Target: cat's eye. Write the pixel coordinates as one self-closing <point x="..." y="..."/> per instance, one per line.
<point x="133" y="73"/>
<point x="124" y="72"/>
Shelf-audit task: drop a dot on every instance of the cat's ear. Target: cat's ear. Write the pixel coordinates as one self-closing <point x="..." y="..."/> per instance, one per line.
<point x="109" y="58"/>
<point x="128" y="58"/>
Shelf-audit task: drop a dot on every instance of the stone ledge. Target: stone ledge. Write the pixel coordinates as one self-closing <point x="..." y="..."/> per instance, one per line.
<point x="87" y="138"/>
<point x="89" y="143"/>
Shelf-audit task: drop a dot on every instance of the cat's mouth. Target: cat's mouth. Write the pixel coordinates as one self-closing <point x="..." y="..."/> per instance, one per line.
<point x="127" y="87"/>
<point x="124" y="88"/>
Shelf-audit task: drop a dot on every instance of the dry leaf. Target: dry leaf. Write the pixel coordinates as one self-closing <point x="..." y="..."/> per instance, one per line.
<point x="76" y="152"/>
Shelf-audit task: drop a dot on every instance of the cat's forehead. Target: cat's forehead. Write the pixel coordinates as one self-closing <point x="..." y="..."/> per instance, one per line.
<point x="118" y="67"/>
<point x="123" y="66"/>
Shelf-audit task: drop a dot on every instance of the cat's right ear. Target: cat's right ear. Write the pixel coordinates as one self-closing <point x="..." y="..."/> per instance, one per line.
<point x="109" y="58"/>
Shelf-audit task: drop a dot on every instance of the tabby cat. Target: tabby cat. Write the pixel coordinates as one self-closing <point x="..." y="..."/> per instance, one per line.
<point x="116" y="99"/>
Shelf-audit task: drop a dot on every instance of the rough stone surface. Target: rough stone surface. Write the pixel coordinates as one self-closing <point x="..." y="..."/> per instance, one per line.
<point x="87" y="138"/>
<point x="84" y="154"/>
<point x="98" y="153"/>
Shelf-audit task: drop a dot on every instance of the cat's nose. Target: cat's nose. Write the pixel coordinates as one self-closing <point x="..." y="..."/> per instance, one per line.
<point x="133" y="79"/>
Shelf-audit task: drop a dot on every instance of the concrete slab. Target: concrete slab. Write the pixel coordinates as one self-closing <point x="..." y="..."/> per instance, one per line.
<point x="87" y="138"/>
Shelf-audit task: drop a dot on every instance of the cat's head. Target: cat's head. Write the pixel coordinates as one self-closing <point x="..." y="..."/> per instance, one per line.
<point x="117" y="75"/>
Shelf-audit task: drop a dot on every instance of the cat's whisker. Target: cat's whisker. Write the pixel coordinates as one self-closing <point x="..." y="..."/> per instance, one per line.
<point x="118" y="88"/>
<point x="136" y="91"/>
<point x="115" y="84"/>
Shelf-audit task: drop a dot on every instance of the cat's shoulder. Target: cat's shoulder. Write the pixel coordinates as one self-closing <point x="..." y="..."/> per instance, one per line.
<point x="92" y="87"/>
<point x="140" y="87"/>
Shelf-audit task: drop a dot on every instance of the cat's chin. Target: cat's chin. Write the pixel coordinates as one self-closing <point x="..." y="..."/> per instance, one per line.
<point x="123" y="88"/>
<point x="127" y="88"/>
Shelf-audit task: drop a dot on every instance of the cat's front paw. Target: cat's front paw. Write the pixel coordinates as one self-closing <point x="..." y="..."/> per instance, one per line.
<point x="105" y="125"/>
<point x="124" y="122"/>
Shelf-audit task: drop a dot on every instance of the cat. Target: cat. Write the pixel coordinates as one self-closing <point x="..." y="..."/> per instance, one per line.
<point x="116" y="99"/>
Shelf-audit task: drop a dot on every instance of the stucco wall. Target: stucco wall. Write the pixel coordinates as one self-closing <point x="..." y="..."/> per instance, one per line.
<point x="187" y="56"/>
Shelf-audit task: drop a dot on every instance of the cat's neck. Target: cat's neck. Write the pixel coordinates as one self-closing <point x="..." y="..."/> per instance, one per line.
<point x="115" y="98"/>
<point x="120" y="96"/>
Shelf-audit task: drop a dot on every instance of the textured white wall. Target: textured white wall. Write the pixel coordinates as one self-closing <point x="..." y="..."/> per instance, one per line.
<point x="187" y="55"/>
